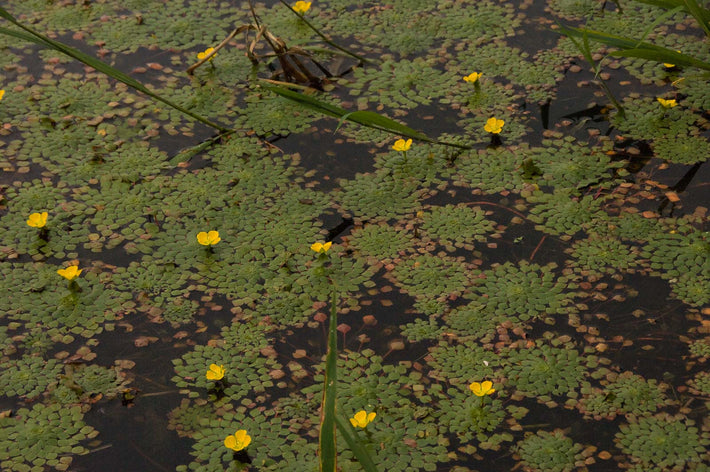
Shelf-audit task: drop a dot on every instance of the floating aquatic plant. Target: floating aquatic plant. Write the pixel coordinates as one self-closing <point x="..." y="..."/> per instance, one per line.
<point x="602" y="254"/>
<point x="421" y="329"/>
<point x="550" y="452"/>
<point x="28" y="376"/>
<point x="253" y="369"/>
<point x="380" y="241"/>
<point x="546" y="370"/>
<point x="474" y="320"/>
<point x="458" y="226"/>
<point x="490" y="170"/>
<point x="431" y="277"/>
<point x="464" y="415"/>
<point x="460" y="363"/>
<point x="561" y="212"/>
<point x="663" y="442"/>
<point x="526" y="291"/>
<point x="379" y="195"/>
<point x="565" y="163"/>
<point x="402" y="84"/>
<point x="682" y="149"/>
<point x="44" y="436"/>
<point x="626" y="394"/>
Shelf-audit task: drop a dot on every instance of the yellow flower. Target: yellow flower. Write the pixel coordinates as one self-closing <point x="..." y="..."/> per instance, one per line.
<point x="2" y="94"/>
<point x="362" y="419"/>
<point x="482" y="389"/>
<point x="473" y="77"/>
<point x="494" y="125"/>
<point x="321" y="247"/>
<point x="238" y="441"/>
<point x="402" y="145"/>
<point x="667" y="103"/>
<point x="215" y="372"/>
<point x="37" y="220"/>
<point x="208" y="51"/>
<point x="301" y="7"/>
<point x="70" y="273"/>
<point x="208" y="239"/>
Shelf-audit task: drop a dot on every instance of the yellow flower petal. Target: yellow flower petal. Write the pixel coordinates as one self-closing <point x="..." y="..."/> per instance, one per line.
<point x="207" y="52"/>
<point x="2" y="94"/>
<point x="215" y="372"/>
<point x="494" y="125"/>
<point x="208" y="239"/>
<point x="473" y="77"/>
<point x="667" y="103"/>
<point x="301" y="7"/>
<point x="238" y="440"/>
<point x="70" y="273"/>
<point x="321" y="247"/>
<point x="37" y="220"/>
<point x="402" y="145"/>
<point x="482" y="389"/>
<point x="362" y="418"/>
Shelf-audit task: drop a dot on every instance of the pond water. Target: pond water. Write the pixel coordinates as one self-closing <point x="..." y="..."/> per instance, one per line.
<point x="565" y="259"/>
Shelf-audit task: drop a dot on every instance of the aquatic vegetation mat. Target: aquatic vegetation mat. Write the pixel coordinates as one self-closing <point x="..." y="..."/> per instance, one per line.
<point x="518" y="259"/>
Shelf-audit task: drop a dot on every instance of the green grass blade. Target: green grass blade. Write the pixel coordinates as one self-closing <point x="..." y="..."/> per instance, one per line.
<point x="358" y="450"/>
<point x="667" y="4"/>
<point x="634" y="48"/>
<point x="327" y="450"/>
<point x="98" y="65"/>
<point x="24" y="36"/>
<point x="365" y="118"/>
<point x="701" y="15"/>
<point x="308" y="101"/>
<point x="375" y="120"/>
<point x="668" y="56"/>
<point x="657" y="22"/>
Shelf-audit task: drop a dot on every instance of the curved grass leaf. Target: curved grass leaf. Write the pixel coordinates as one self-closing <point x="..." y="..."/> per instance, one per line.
<point x="365" y="118"/>
<point x="701" y="15"/>
<point x="634" y="48"/>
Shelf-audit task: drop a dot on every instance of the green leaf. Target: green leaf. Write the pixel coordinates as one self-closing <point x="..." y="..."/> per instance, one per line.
<point x="365" y="118"/>
<point x="634" y="48"/>
<point x="327" y="450"/>
<point x="702" y="15"/>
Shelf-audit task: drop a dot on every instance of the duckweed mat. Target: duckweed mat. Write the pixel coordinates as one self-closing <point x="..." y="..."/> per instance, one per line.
<point x="560" y="260"/>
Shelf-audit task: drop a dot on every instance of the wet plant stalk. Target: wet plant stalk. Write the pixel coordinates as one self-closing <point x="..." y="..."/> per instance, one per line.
<point x="327" y="39"/>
